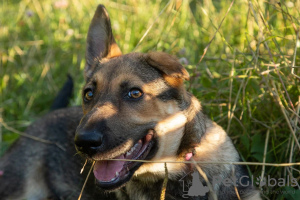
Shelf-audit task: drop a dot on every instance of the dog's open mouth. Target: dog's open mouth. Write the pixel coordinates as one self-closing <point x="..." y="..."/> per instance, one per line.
<point x="111" y="174"/>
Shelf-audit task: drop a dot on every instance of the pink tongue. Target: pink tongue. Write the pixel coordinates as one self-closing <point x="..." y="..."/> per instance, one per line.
<point x="105" y="170"/>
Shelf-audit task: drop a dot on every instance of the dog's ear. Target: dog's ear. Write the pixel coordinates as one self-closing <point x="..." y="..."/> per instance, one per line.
<point x="174" y="73"/>
<point x="100" y="40"/>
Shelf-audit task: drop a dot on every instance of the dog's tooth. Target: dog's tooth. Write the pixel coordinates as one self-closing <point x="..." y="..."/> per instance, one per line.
<point x="128" y="153"/>
<point x="117" y="174"/>
<point x="131" y="150"/>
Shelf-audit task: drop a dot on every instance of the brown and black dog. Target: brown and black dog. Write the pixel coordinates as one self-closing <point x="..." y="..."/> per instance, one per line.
<point x="135" y="107"/>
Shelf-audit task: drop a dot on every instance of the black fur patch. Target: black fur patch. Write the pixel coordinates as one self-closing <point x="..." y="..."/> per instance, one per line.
<point x="170" y="94"/>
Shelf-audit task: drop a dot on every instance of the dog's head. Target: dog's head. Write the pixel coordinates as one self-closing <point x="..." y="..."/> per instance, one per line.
<point x="133" y="106"/>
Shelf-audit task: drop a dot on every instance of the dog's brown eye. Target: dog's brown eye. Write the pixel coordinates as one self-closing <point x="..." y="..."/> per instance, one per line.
<point x="88" y="95"/>
<point x="135" y="93"/>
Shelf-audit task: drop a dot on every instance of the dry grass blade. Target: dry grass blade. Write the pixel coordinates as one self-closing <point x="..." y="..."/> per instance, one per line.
<point x="150" y="27"/>
<point x="235" y="103"/>
<point x="217" y="163"/>
<point x="83" y="167"/>
<point x="230" y="114"/>
<point x="235" y="188"/>
<point x="164" y="187"/>
<point x="31" y="136"/>
<point x="265" y="156"/>
<point x="237" y="193"/>
<point x="295" y="129"/>
<point x="206" y="48"/>
<point x="87" y="177"/>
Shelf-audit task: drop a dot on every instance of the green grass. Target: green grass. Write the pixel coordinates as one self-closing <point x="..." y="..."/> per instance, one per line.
<point x="244" y="81"/>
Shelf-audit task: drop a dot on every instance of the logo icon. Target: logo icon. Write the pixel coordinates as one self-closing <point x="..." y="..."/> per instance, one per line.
<point x="195" y="187"/>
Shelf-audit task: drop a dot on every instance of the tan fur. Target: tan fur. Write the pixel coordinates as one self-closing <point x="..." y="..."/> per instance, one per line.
<point x="114" y="51"/>
<point x="170" y="132"/>
<point x="106" y="110"/>
<point x="36" y="187"/>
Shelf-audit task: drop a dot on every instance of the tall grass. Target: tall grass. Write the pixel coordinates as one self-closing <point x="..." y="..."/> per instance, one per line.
<point x="248" y="79"/>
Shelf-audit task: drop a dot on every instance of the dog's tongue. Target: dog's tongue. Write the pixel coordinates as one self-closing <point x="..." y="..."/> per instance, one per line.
<point x="105" y="170"/>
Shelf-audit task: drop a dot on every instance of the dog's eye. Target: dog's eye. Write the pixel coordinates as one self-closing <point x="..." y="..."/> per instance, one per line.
<point x="88" y="95"/>
<point x="135" y="93"/>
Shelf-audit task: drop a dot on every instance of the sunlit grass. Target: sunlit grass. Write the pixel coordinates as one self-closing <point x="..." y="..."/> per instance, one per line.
<point x="244" y="81"/>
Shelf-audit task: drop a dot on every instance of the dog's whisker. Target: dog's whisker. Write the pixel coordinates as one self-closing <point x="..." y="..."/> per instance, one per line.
<point x="87" y="177"/>
<point x="83" y="167"/>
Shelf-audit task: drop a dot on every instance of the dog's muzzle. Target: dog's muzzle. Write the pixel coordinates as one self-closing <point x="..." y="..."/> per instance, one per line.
<point x="112" y="174"/>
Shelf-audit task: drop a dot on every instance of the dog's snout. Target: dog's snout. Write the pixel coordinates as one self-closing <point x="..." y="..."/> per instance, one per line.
<point x="88" y="141"/>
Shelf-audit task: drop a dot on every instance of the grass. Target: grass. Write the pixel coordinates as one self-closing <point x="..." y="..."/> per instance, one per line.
<point x="248" y="79"/>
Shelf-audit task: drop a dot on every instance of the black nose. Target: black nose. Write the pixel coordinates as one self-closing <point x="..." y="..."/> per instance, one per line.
<point x="88" y="141"/>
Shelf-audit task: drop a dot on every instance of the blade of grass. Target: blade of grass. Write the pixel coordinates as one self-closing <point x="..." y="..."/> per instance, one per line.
<point x="86" y="179"/>
<point x="150" y="27"/>
<point x="206" y="48"/>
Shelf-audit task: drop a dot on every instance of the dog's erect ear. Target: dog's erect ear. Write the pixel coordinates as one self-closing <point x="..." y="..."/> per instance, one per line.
<point x="174" y="72"/>
<point x="100" y="40"/>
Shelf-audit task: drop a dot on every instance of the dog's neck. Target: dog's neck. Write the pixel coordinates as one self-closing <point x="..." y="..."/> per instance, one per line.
<point x="194" y="129"/>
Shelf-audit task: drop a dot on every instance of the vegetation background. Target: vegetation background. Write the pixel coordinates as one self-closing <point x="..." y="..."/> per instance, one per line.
<point x="243" y="57"/>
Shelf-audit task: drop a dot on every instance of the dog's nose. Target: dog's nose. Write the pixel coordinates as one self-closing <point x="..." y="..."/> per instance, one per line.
<point x="88" y="141"/>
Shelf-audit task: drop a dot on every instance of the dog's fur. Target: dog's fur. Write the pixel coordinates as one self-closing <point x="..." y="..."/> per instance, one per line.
<point x="164" y="117"/>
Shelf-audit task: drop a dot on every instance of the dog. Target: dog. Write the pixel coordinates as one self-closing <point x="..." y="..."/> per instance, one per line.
<point x="137" y="122"/>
